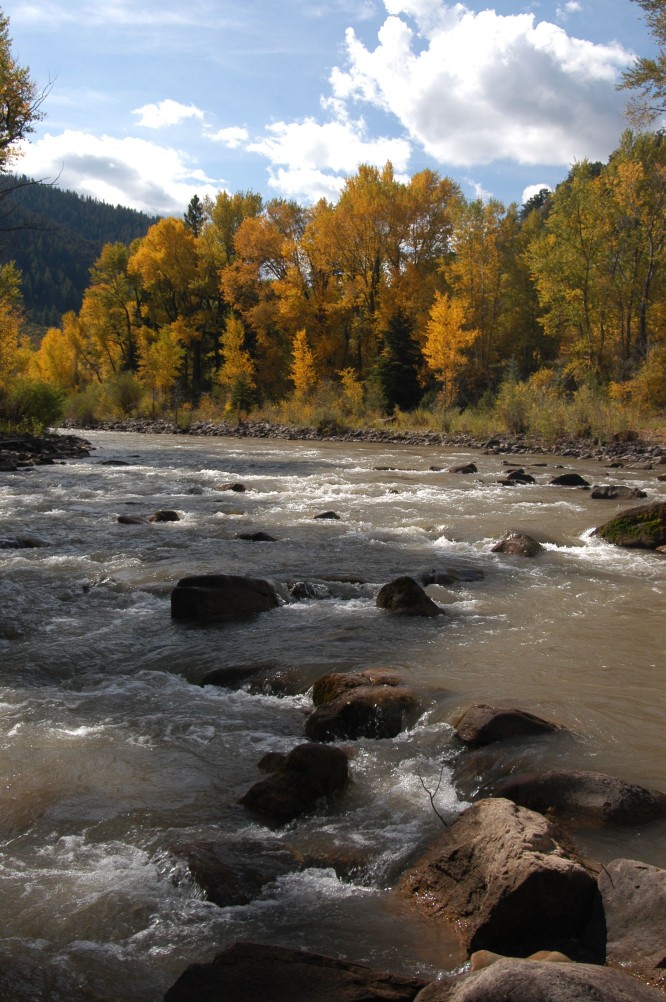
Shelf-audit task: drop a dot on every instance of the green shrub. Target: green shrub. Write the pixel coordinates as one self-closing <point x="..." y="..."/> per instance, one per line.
<point x="32" y="406"/>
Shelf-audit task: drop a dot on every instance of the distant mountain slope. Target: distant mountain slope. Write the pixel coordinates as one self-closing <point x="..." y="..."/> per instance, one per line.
<point x="54" y="237"/>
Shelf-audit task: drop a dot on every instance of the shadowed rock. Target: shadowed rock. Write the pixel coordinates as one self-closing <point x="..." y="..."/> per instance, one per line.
<point x="405" y="597"/>
<point x="589" y="797"/>
<point x="225" y="597"/>
<point x="483" y="725"/>
<point x="448" y="575"/>
<point x="250" y="972"/>
<point x="643" y="527"/>
<point x="232" y="874"/>
<point x="466" y="468"/>
<point x="256" y="537"/>
<point x="333" y="515"/>
<point x="569" y="480"/>
<point x="296" y="782"/>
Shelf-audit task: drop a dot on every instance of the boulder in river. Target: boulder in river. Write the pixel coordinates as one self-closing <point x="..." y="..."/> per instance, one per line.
<point x="584" y="797"/>
<point x="504" y="880"/>
<point x="465" y="468"/>
<point x="23" y="541"/>
<point x="250" y="972"/>
<point x="405" y="597"/>
<point x="569" y="480"/>
<point x="483" y="725"/>
<point x="295" y="782"/>
<point x="330" y="515"/>
<point x="233" y="873"/>
<point x="222" y="597"/>
<point x="368" y="704"/>
<point x="615" y="492"/>
<point x="642" y="527"/>
<point x="256" y="537"/>
<point x="539" y="981"/>
<point x="164" y="515"/>
<point x="633" y="896"/>
<point x="518" y="544"/>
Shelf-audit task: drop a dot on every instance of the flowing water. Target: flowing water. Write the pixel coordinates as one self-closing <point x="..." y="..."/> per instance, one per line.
<point x="112" y="754"/>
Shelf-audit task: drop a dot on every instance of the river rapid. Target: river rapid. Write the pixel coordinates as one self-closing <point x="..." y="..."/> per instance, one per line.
<point x="112" y="754"/>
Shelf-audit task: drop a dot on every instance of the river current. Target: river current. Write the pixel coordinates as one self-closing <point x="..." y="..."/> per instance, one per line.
<point x="112" y="754"/>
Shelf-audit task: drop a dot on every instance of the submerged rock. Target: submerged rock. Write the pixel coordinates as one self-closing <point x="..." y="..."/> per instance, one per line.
<point x="643" y="527"/>
<point x="225" y="597"/>
<point x="333" y="515"/>
<point x="405" y="597"/>
<point x="251" y="972"/>
<point x="483" y="725"/>
<point x="256" y="537"/>
<point x="503" y="880"/>
<point x="587" y="797"/>
<point x="296" y="782"/>
<point x="448" y="575"/>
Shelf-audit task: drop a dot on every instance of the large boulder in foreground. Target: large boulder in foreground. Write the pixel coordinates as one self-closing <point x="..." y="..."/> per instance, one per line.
<point x="405" y="597"/>
<point x="483" y="725"/>
<point x="295" y="782"/>
<point x="369" y="704"/>
<point x="225" y="597"/>
<point x="536" y="981"/>
<point x="643" y="527"/>
<point x="504" y="880"/>
<point x="584" y="797"/>
<point x="251" y="972"/>
<point x="633" y="895"/>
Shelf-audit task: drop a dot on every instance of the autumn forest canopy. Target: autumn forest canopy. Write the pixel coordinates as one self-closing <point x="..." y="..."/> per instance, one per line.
<point x="401" y="295"/>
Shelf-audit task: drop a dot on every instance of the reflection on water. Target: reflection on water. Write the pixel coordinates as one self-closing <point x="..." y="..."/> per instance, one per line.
<point x="112" y="753"/>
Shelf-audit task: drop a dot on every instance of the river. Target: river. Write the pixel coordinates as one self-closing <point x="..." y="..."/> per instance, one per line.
<point x="112" y="753"/>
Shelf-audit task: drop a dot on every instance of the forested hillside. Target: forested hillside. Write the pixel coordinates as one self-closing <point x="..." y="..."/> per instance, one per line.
<point x="54" y="237"/>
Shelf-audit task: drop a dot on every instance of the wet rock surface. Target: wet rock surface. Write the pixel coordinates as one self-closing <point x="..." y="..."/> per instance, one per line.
<point x="370" y="704"/>
<point x="405" y="597"/>
<point x="251" y="972"/>
<point x="221" y="597"/>
<point x="584" y="797"/>
<point x="643" y="527"/>
<point x="518" y="544"/>
<point x="504" y="879"/>
<point x="633" y="897"/>
<point x="536" y="981"/>
<point x="483" y="725"/>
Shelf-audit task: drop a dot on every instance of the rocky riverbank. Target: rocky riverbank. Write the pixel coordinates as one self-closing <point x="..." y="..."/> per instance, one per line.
<point x="626" y="448"/>
<point x="22" y="451"/>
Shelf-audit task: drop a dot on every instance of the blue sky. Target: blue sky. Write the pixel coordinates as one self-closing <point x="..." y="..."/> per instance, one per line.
<point x="152" y="102"/>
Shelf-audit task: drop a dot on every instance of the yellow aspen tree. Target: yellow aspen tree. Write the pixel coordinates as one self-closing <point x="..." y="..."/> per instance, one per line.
<point x="237" y="372"/>
<point x="160" y="361"/>
<point x="446" y="340"/>
<point x="303" y="371"/>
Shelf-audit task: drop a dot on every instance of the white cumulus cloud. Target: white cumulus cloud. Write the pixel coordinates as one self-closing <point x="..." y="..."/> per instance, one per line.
<point x="165" y="113"/>
<point x="475" y="88"/>
<point x="132" y="172"/>
<point x="310" y="160"/>
<point x="232" y="137"/>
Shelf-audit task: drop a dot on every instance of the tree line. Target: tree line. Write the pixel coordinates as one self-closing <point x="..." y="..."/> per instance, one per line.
<point x="398" y="292"/>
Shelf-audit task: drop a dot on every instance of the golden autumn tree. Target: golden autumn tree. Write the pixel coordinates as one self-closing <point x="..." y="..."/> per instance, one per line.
<point x="11" y="319"/>
<point x="303" y="369"/>
<point x="447" y="337"/>
<point x="237" y="372"/>
<point x="160" y="361"/>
